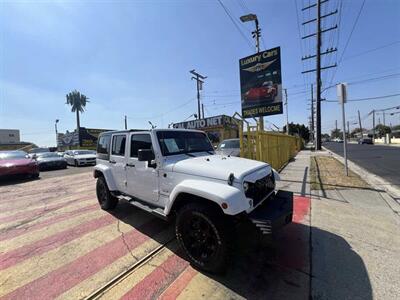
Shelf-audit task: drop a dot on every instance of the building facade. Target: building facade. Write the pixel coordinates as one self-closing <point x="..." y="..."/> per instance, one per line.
<point x="9" y="136"/>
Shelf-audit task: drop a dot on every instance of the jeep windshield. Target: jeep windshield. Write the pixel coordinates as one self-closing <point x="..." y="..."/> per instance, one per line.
<point x="183" y="142"/>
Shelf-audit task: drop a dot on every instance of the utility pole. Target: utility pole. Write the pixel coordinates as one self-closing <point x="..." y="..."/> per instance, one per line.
<point x="319" y="75"/>
<point x="199" y="84"/>
<point x="287" y="115"/>
<point x="359" y="122"/>
<point x="348" y="129"/>
<point x="202" y="110"/>
<point x="336" y="126"/>
<point x="318" y="55"/>
<point x="126" y="123"/>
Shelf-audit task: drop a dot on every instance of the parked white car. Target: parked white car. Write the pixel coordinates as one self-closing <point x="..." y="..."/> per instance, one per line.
<point x="80" y="157"/>
<point x="176" y="175"/>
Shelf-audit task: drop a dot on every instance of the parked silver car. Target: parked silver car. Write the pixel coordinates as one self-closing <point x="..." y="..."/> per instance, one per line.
<point x="80" y="157"/>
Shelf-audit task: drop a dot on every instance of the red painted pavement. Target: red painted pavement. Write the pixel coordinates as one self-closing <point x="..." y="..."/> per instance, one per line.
<point x="64" y="278"/>
<point x="36" y="212"/>
<point x="176" y="288"/>
<point x="154" y="283"/>
<point x="20" y="254"/>
<point x="293" y="242"/>
<point x="14" y="232"/>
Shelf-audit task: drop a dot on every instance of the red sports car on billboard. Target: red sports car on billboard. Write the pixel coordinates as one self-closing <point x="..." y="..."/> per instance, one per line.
<point x="266" y="90"/>
<point x="17" y="163"/>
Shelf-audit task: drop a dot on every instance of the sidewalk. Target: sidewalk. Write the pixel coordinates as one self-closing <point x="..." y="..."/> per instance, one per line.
<point x="353" y="235"/>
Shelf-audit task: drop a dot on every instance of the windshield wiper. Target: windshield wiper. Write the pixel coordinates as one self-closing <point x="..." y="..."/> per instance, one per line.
<point x="189" y="154"/>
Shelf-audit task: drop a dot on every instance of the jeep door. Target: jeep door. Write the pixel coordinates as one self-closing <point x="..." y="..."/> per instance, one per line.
<point x="142" y="180"/>
<point x="118" y="160"/>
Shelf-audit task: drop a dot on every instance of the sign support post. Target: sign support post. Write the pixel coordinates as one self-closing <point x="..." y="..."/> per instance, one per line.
<point x="342" y="95"/>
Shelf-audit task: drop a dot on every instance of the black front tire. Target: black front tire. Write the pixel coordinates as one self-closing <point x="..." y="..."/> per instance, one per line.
<point x="203" y="232"/>
<point x="106" y="200"/>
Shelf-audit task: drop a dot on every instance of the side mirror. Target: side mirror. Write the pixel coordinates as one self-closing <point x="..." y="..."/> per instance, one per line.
<point x="145" y="155"/>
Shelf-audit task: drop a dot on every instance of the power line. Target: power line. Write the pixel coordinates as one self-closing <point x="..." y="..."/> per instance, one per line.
<point x="371" y="50"/>
<point x="162" y="114"/>
<point x="234" y="23"/>
<point x="348" y="39"/>
<point x="366" y="99"/>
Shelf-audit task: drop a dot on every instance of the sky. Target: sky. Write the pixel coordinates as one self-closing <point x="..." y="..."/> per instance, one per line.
<point x="133" y="58"/>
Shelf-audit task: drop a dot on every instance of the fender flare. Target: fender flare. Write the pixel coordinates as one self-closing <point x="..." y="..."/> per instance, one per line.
<point x="217" y="192"/>
<point x="106" y="171"/>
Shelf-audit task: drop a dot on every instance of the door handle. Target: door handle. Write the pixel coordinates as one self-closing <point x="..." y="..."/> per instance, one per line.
<point x="130" y="165"/>
<point x="113" y="162"/>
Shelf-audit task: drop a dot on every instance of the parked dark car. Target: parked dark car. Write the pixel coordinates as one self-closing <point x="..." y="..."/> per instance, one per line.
<point x="366" y="141"/>
<point x="17" y="163"/>
<point x="34" y="151"/>
<point x="50" y="160"/>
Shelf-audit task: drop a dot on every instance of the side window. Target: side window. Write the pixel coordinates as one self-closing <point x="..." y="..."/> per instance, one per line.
<point x="103" y="147"/>
<point x="103" y="144"/>
<point x="139" y="141"/>
<point x="118" y="145"/>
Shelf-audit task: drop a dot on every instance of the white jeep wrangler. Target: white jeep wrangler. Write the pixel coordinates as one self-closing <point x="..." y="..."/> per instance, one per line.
<point x="175" y="174"/>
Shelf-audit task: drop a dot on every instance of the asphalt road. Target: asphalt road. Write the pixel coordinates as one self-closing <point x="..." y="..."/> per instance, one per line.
<point x="46" y="175"/>
<point x="383" y="161"/>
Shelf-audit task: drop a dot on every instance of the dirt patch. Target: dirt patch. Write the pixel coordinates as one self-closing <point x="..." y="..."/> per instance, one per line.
<point x="327" y="173"/>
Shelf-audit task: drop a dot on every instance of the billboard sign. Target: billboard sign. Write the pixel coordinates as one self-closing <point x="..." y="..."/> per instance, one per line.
<point x="88" y="138"/>
<point x="261" y="83"/>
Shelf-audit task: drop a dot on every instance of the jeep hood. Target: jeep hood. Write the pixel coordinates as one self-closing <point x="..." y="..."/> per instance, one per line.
<point x="220" y="167"/>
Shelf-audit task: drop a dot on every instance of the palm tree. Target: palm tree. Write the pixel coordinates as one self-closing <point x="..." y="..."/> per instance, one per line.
<point x="78" y="103"/>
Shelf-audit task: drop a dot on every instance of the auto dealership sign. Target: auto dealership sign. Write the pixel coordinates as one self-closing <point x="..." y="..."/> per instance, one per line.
<point x="261" y="83"/>
<point x="217" y="121"/>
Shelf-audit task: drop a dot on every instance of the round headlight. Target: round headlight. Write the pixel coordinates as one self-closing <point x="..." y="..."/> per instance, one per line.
<point x="245" y="186"/>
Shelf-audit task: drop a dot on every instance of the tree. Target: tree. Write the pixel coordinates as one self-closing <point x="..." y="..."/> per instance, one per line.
<point x="336" y="133"/>
<point x="78" y="103"/>
<point x="381" y="130"/>
<point x="299" y="130"/>
<point x="356" y="132"/>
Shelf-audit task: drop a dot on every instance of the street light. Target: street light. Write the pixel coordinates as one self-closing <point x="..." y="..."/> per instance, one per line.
<point x="257" y="33"/>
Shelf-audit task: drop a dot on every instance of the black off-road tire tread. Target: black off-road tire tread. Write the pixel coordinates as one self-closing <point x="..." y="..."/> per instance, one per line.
<point x="111" y="201"/>
<point x="221" y="222"/>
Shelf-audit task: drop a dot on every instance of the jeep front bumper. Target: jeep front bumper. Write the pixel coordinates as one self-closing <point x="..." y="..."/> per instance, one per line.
<point x="273" y="213"/>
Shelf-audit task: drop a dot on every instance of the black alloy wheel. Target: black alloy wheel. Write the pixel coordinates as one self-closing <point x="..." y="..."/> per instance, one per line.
<point x="106" y="200"/>
<point x="204" y="236"/>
